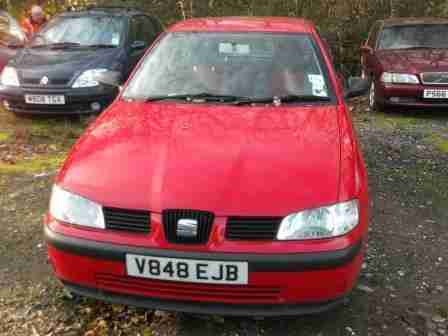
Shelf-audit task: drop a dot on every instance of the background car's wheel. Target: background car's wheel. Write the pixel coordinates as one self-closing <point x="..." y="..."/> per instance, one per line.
<point x="373" y="103"/>
<point x="363" y="74"/>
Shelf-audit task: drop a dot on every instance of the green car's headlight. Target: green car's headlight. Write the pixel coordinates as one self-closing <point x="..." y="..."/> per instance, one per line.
<point x="325" y="222"/>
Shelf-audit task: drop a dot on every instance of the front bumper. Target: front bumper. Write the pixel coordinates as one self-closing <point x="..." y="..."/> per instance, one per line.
<point x="205" y="308"/>
<point x="408" y="96"/>
<point x="281" y="284"/>
<point x="78" y="101"/>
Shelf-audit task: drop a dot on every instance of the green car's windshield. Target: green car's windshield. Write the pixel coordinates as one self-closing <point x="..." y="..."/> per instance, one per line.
<point x="82" y="31"/>
<point x="420" y="36"/>
<point x="224" y="65"/>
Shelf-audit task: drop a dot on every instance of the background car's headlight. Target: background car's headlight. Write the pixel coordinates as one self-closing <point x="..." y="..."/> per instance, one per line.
<point x="70" y="208"/>
<point x="398" y="78"/>
<point x="9" y="77"/>
<point x="88" y="78"/>
<point x="325" y="222"/>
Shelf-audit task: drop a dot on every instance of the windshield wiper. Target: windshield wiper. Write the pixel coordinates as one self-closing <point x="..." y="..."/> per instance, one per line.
<point x="58" y="45"/>
<point x="206" y="97"/>
<point x="419" y="47"/>
<point x="99" y="45"/>
<point x="283" y="99"/>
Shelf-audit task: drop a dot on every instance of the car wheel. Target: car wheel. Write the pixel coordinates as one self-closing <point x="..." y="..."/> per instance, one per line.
<point x="363" y="74"/>
<point x="373" y="104"/>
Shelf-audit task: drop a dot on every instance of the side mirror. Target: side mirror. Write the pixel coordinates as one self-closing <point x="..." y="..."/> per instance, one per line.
<point x="109" y="78"/>
<point x="357" y="86"/>
<point x="365" y="49"/>
<point x="138" y="45"/>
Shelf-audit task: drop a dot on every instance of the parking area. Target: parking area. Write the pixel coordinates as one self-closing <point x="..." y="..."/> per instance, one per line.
<point x="403" y="289"/>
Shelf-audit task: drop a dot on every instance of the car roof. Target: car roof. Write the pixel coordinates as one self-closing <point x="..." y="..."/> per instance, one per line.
<point x="245" y="24"/>
<point x="414" y="21"/>
<point x="116" y="11"/>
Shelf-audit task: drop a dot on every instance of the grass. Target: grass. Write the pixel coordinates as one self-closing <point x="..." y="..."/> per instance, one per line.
<point x="4" y="136"/>
<point x="57" y="133"/>
<point x="422" y="123"/>
<point x="394" y="121"/>
<point x="440" y="142"/>
<point x="38" y="164"/>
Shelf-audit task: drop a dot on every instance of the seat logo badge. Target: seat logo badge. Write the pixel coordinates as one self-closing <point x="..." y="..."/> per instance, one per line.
<point x="44" y="80"/>
<point x="187" y="228"/>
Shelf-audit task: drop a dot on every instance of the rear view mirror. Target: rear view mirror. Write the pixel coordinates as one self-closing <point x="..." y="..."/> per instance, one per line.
<point x="357" y="86"/>
<point x="109" y="78"/>
<point x="138" y="45"/>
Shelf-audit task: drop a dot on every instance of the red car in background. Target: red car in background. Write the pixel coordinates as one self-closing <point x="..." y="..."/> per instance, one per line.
<point x="11" y="38"/>
<point x="225" y="179"/>
<point x="406" y="60"/>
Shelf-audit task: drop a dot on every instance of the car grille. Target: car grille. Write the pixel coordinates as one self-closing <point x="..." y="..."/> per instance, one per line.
<point x="188" y="291"/>
<point x="252" y="228"/>
<point x="435" y="78"/>
<point x="170" y="222"/>
<point x="35" y="82"/>
<point x="138" y="221"/>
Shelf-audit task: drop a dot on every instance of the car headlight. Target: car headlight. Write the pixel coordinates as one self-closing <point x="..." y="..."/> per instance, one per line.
<point x="325" y="222"/>
<point x="399" y="78"/>
<point x="9" y="77"/>
<point x="74" y="209"/>
<point x="88" y="78"/>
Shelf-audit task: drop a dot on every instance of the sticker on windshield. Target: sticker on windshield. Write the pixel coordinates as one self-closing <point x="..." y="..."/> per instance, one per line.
<point x="234" y="48"/>
<point x="115" y="39"/>
<point x="318" y="85"/>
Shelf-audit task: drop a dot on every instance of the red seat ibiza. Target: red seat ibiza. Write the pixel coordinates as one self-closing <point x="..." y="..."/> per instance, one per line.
<point x="226" y="178"/>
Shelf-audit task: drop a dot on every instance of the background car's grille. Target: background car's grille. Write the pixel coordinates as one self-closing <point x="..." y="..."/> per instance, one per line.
<point x="127" y="220"/>
<point x="170" y="221"/>
<point x="435" y="78"/>
<point x="188" y="291"/>
<point x="52" y="82"/>
<point x="252" y="228"/>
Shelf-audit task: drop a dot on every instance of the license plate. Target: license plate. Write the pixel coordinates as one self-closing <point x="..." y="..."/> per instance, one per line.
<point x="45" y="99"/>
<point x="435" y="94"/>
<point x="187" y="270"/>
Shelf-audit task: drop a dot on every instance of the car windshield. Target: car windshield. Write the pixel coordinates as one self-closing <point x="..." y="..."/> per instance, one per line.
<point x="82" y="31"/>
<point x="431" y="36"/>
<point x="250" y="65"/>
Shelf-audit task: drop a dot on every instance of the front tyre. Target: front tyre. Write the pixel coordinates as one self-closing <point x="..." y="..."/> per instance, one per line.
<point x="373" y="98"/>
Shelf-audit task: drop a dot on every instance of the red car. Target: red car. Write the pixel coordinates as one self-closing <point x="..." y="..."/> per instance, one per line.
<point x="226" y="178"/>
<point x="406" y="60"/>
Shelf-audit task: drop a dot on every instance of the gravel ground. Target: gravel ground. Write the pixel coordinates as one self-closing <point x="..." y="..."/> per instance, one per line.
<point x="403" y="289"/>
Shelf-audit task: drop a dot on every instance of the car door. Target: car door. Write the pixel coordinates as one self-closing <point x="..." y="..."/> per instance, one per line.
<point x="368" y="50"/>
<point x="137" y="42"/>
